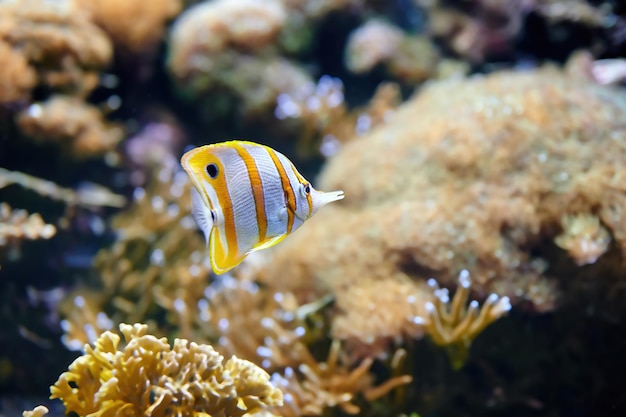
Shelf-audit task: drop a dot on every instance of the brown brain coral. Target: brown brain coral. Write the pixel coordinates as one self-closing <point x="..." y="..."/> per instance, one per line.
<point x="472" y="174"/>
<point x="150" y="377"/>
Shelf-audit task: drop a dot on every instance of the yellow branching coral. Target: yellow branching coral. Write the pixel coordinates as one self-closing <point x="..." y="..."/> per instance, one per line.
<point x="150" y="377"/>
<point x="315" y="386"/>
<point x="454" y="324"/>
<point x="583" y="237"/>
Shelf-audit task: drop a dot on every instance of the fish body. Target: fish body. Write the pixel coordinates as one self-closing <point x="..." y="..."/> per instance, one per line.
<point x="247" y="197"/>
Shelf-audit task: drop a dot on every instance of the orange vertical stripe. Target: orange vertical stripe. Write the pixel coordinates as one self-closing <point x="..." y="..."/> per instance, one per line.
<point x="287" y="188"/>
<point x="257" y="189"/>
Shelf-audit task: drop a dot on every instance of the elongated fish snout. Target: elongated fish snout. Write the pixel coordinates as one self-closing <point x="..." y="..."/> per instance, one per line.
<point x="321" y="198"/>
<point x="333" y="196"/>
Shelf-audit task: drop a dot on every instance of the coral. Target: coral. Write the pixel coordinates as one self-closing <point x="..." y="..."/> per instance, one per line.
<point x="207" y="29"/>
<point x="79" y="127"/>
<point x="18" y="225"/>
<point x="17" y="78"/>
<point x="480" y="28"/>
<point x="408" y="58"/>
<point x="313" y="386"/>
<point x="58" y="40"/>
<point x="89" y="194"/>
<point x="454" y="324"/>
<point x="149" y="377"/>
<point x="427" y="195"/>
<point x="253" y="323"/>
<point x="38" y="411"/>
<point x="275" y="331"/>
<point x="156" y="265"/>
<point x="236" y="51"/>
<point x="583" y="237"/>
<point x="135" y="26"/>
<point x="319" y="114"/>
<point x="574" y="11"/>
<point x="374" y="42"/>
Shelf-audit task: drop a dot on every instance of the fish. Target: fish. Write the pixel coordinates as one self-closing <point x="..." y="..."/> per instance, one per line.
<point x="247" y="197"/>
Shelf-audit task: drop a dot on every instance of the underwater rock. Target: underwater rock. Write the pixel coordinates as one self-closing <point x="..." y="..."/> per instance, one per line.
<point x="470" y="174"/>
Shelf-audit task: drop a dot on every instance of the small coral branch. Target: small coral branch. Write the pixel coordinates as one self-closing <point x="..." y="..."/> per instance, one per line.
<point x="38" y="411"/>
<point x="92" y="195"/>
<point x="150" y="377"/>
<point x="314" y="386"/>
<point x="584" y="238"/>
<point x="453" y="323"/>
<point x="17" y="225"/>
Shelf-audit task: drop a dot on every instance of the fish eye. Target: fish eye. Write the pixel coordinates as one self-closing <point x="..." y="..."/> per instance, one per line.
<point x="213" y="216"/>
<point x="307" y="189"/>
<point x="212" y="170"/>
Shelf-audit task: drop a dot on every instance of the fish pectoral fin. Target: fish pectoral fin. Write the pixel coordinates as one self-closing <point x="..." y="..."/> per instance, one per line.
<point x="268" y="243"/>
<point x="201" y="214"/>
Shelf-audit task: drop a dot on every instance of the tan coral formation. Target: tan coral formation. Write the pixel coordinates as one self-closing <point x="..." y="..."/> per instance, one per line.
<point x="147" y="376"/>
<point x="583" y="237"/>
<point x="469" y="174"/>
<point x="135" y="26"/>
<point x="409" y="58"/>
<point x="226" y="47"/>
<point x="237" y="50"/>
<point x="17" y="78"/>
<point x="58" y="40"/>
<point x="79" y="127"/>
<point x="207" y="29"/>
